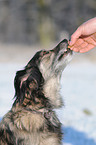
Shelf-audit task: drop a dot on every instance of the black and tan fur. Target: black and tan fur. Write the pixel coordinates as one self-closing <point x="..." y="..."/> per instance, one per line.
<point x="31" y="120"/>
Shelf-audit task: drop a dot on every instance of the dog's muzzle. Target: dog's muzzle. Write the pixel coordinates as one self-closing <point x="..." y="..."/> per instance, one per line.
<point x="62" y="49"/>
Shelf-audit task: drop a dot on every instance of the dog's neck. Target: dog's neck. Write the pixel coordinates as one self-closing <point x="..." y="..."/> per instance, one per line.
<point x="52" y="91"/>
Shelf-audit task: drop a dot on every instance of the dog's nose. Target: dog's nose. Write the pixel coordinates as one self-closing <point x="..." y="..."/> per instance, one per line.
<point x="62" y="45"/>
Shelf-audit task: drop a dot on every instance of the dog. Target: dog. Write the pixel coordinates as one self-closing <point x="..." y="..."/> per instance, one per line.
<point x="32" y="119"/>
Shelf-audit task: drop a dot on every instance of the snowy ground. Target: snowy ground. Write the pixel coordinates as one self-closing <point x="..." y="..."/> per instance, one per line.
<point x="78" y="88"/>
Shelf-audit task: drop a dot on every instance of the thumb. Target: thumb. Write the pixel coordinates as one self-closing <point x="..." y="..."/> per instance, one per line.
<point x="75" y="36"/>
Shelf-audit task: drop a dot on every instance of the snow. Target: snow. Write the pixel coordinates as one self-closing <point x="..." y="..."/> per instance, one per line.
<point x="78" y="88"/>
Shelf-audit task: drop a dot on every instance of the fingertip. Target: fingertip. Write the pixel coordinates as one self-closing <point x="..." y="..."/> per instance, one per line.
<point x="76" y="49"/>
<point x="82" y="51"/>
<point x="70" y="43"/>
<point x="72" y="47"/>
<point x="75" y="36"/>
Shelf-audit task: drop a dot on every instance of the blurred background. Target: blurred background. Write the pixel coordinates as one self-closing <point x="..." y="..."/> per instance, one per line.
<point x="42" y="21"/>
<point x="27" y="26"/>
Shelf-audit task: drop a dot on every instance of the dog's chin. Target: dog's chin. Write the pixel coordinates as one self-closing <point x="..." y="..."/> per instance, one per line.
<point x="64" y="55"/>
<point x="62" y="60"/>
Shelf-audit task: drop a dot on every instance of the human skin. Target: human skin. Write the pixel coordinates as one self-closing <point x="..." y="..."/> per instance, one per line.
<point x="84" y="38"/>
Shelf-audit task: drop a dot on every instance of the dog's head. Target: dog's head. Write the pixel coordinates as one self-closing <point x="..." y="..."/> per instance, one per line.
<point x="52" y="62"/>
<point x="43" y="66"/>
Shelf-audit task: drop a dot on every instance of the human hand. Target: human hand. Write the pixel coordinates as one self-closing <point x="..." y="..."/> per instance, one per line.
<point x="84" y="38"/>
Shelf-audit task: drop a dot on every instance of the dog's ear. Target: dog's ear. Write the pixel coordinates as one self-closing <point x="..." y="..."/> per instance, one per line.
<point x="27" y="82"/>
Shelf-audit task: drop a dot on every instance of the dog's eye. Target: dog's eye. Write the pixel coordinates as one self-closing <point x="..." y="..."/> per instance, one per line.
<point x="45" y="52"/>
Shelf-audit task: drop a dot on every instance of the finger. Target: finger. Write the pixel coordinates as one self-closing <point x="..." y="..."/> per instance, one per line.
<point x="86" y="49"/>
<point x="90" y="40"/>
<point x="75" y="36"/>
<point x="77" y="43"/>
<point x="94" y="37"/>
<point x="83" y="45"/>
<point x="76" y="49"/>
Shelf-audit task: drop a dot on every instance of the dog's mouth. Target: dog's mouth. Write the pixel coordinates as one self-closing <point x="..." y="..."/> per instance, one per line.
<point x="65" y="53"/>
<point x="61" y="50"/>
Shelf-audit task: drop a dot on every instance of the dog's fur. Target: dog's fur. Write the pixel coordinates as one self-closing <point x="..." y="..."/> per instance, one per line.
<point x="32" y="121"/>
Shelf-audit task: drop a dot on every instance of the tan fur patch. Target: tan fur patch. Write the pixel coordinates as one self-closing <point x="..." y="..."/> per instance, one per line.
<point x="29" y="122"/>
